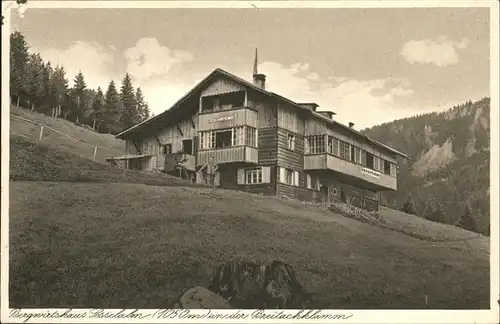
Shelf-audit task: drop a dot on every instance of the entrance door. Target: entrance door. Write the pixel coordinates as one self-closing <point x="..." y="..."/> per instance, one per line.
<point x="343" y="196"/>
<point x="324" y="193"/>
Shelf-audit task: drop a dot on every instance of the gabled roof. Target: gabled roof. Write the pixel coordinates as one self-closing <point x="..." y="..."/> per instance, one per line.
<point x="219" y="72"/>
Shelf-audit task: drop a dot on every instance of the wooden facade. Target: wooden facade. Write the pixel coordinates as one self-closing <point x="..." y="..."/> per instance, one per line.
<point x="266" y="144"/>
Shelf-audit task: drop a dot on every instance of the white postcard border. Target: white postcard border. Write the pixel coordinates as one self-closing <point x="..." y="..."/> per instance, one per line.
<point x="358" y="316"/>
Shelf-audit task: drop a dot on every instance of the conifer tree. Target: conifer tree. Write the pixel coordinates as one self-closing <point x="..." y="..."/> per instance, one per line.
<point x="98" y="110"/>
<point x="439" y="215"/>
<point x="409" y="205"/>
<point x="88" y="109"/>
<point x="128" y="109"/>
<point x="19" y="57"/>
<point x="60" y="84"/>
<point x="48" y="100"/>
<point x="78" y="97"/>
<point x="430" y="208"/>
<point x="467" y="220"/>
<point x="111" y="107"/>
<point x="34" y="85"/>
<point x="435" y="211"/>
<point x="142" y="106"/>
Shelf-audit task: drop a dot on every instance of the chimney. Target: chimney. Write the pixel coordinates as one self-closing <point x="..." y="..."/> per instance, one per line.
<point x="259" y="79"/>
<point x="309" y="105"/>
<point x="351" y="124"/>
<point x="327" y="114"/>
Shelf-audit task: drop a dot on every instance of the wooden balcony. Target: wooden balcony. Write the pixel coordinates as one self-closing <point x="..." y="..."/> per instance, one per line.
<point x="346" y="171"/>
<point x="228" y="118"/>
<point x="242" y="154"/>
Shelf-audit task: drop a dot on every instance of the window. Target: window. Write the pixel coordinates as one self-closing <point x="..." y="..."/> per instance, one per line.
<point x="357" y="155"/>
<point x="251" y="136"/>
<point x="312" y="182"/>
<point x="345" y="151"/>
<point x="363" y="157"/>
<point x="333" y="146"/>
<point x="288" y="176"/>
<point x="238" y="136"/>
<point x="394" y="169"/>
<point x="291" y="142"/>
<point x="223" y="139"/>
<point x="334" y="192"/>
<point x="387" y="167"/>
<point x="376" y="163"/>
<point x="187" y="146"/>
<point x="316" y="144"/>
<point x="167" y="148"/>
<point x="369" y="160"/>
<point x="253" y="176"/>
<point x="207" y="140"/>
<point x="220" y="139"/>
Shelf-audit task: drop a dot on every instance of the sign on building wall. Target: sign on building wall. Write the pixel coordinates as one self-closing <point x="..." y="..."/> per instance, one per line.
<point x="370" y="172"/>
<point x="220" y="119"/>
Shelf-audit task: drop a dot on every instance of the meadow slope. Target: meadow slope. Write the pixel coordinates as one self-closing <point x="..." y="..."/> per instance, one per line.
<point x="112" y="238"/>
<point x="107" y="144"/>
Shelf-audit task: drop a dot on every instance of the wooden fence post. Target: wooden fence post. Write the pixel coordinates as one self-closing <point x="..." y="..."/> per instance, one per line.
<point x="41" y="133"/>
<point x="95" y="152"/>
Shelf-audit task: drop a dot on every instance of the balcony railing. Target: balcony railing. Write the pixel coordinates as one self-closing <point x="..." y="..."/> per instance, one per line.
<point x="245" y="154"/>
<point x="244" y="116"/>
<point x="327" y="161"/>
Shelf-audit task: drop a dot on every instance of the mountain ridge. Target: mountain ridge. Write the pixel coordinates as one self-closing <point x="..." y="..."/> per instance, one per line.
<point x="449" y="160"/>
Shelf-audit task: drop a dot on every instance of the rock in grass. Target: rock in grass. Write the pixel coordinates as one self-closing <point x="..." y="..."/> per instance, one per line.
<point x="199" y="297"/>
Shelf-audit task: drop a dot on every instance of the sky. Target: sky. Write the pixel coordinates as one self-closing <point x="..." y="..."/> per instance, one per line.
<point x="368" y="65"/>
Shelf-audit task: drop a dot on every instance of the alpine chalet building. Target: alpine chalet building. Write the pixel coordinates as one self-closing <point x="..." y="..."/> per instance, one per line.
<point x="263" y="143"/>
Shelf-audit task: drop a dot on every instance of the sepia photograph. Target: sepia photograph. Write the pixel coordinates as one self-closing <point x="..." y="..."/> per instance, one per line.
<point x="248" y="156"/>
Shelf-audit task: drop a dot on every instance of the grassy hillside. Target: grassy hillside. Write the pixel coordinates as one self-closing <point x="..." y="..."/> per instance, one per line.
<point x="107" y="144"/>
<point x="96" y="242"/>
<point x="35" y="161"/>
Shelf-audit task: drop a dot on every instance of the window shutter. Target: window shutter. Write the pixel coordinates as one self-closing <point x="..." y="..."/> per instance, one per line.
<point x="282" y="175"/>
<point x="217" y="179"/>
<point x="241" y="176"/>
<point x="266" y="174"/>
<point x="308" y="180"/>
<point x="296" y="175"/>
<point x="306" y="145"/>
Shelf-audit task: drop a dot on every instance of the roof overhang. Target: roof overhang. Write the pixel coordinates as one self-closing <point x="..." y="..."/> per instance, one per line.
<point x="170" y="115"/>
<point x="128" y="157"/>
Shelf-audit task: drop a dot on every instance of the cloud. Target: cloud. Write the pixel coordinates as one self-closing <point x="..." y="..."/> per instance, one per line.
<point x="153" y="68"/>
<point x="149" y="59"/>
<point x="365" y="102"/>
<point x="91" y="58"/>
<point x="440" y="51"/>
<point x="313" y="76"/>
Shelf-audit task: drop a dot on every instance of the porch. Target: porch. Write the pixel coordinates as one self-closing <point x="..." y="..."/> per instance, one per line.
<point x="133" y="162"/>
